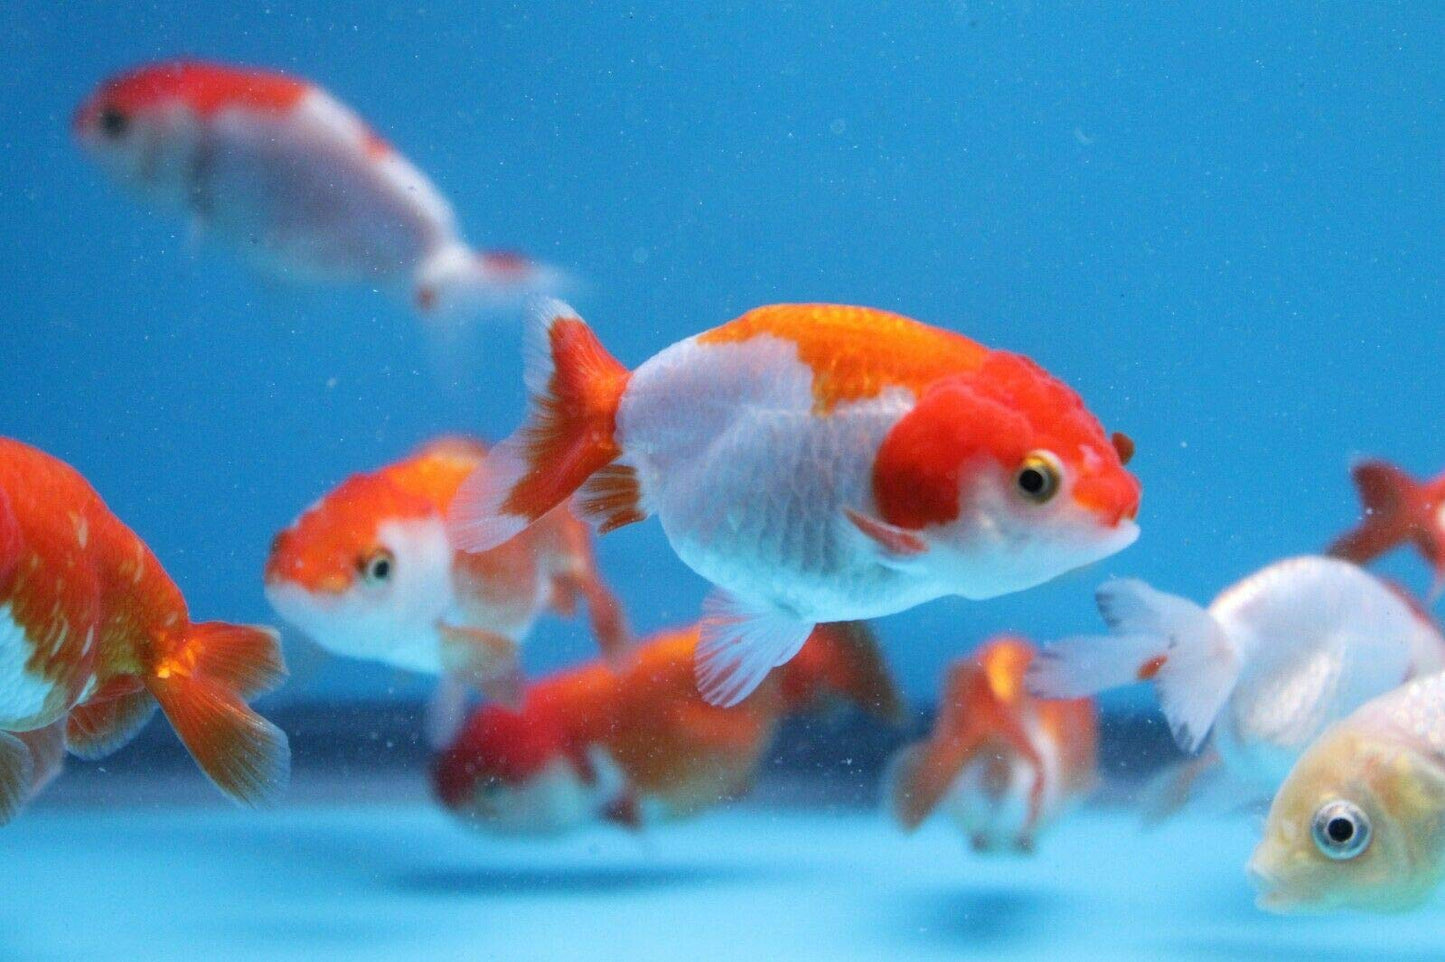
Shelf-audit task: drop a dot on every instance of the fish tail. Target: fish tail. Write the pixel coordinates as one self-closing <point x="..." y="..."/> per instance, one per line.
<point x="842" y="660"/>
<point x="202" y="686"/>
<point x="456" y="282"/>
<point x="1391" y="499"/>
<point x="1155" y="637"/>
<point x="569" y="433"/>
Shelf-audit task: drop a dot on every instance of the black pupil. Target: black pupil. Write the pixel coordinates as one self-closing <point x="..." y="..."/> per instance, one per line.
<point x="1032" y="480"/>
<point x="380" y="568"/>
<point x="113" y="122"/>
<point x="1340" y="830"/>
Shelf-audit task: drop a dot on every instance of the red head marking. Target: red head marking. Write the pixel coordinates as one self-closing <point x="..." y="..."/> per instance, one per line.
<point x="496" y="746"/>
<point x="203" y="87"/>
<point x="998" y="414"/>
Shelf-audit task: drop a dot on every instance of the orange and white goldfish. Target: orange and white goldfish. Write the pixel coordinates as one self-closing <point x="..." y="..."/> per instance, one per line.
<point x="816" y="463"/>
<point x="640" y="745"/>
<point x="1398" y="509"/>
<point x="289" y="178"/>
<point x="1001" y="762"/>
<point x="94" y="635"/>
<point x="1360" y="821"/>
<point x="1274" y="660"/>
<point x="368" y="572"/>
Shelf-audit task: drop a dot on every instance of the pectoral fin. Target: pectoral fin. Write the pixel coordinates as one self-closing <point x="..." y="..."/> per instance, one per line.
<point x="484" y="660"/>
<point x="896" y="547"/>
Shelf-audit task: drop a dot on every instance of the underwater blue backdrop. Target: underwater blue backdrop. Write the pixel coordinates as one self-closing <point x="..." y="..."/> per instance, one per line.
<point x="1224" y="227"/>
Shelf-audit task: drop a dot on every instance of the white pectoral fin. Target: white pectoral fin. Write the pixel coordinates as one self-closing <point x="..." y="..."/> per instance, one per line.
<point x="740" y="644"/>
<point x="894" y="547"/>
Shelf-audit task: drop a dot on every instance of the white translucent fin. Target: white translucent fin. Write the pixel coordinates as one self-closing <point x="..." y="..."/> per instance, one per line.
<point x="456" y="283"/>
<point x="476" y="520"/>
<point x="446" y="712"/>
<point x="740" y="645"/>
<point x="16" y="772"/>
<point x="1084" y="666"/>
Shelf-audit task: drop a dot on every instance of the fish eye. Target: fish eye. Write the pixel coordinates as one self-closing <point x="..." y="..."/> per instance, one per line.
<point x="113" y="122"/>
<point x="378" y="567"/>
<point x="1341" y="830"/>
<point x="1039" y="477"/>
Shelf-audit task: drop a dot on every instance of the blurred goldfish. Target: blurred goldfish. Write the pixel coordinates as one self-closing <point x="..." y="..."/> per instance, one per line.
<point x="368" y="572"/>
<point x="94" y="635"/>
<point x="1360" y="821"/>
<point x="1397" y="509"/>
<point x="1003" y="763"/>
<point x="294" y="182"/>
<point x="1275" y="659"/>
<point x="641" y="744"/>
<point x="817" y="463"/>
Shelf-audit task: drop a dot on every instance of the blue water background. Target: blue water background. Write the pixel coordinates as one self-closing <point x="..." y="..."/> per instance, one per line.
<point x="1223" y="226"/>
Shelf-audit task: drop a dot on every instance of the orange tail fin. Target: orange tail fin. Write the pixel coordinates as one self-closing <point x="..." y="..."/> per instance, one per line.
<point x="842" y="659"/>
<point x="575" y="388"/>
<point x="578" y="577"/>
<point x="202" y="687"/>
<point x="1392" y="502"/>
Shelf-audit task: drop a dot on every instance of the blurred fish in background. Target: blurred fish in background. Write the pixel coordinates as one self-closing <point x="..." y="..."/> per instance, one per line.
<point x="638" y="745"/>
<point x="368" y="572"/>
<point x="1001" y="763"/>
<point x="294" y="182"/>
<point x="1273" y="661"/>
<point x="1398" y="509"/>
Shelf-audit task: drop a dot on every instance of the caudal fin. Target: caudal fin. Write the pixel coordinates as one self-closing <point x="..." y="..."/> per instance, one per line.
<point x="202" y="687"/>
<point x="457" y="282"/>
<point x="1155" y="637"/>
<point x="575" y="387"/>
<point x="1392" y="501"/>
<point x="841" y="660"/>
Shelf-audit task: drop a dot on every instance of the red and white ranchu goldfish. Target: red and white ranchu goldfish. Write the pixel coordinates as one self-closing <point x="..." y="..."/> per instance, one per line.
<point x="640" y="745"/>
<point x="1275" y="659"/>
<point x="1003" y="763"/>
<point x="1398" y="509"/>
<point x="293" y="181"/>
<point x="94" y="635"/>
<point x="1360" y="821"/>
<point x="368" y="572"/>
<point x="816" y="463"/>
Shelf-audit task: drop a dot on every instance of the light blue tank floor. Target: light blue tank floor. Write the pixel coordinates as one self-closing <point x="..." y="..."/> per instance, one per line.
<point x="403" y="882"/>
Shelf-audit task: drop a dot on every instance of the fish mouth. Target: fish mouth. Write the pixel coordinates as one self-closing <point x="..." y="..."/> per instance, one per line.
<point x="1269" y="890"/>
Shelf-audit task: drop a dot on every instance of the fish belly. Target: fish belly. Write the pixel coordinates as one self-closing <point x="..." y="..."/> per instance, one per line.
<point x="751" y="484"/>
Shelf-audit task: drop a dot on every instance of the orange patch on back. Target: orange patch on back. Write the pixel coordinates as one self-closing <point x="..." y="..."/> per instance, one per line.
<point x="856" y="353"/>
<point x="204" y="87"/>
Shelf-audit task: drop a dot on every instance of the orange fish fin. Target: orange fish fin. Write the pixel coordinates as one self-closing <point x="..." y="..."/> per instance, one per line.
<point x="612" y="498"/>
<point x="1390" y="498"/>
<point x="739" y="644"/>
<point x="17" y="768"/>
<point x="199" y="687"/>
<point x="580" y="577"/>
<point x="47" y="754"/>
<point x="842" y="659"/>
<point x="109" y="719"/>
<point x="896" y="546"/>
<point x="575" y="387"/>
<point x="920" y="776"/>
<point x="717" y="730"/>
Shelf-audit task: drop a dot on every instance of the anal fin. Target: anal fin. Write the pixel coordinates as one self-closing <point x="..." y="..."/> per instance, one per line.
<point x="740" y="644"/>
<point x="17" y="768"/>
<point x="108" y="719"/>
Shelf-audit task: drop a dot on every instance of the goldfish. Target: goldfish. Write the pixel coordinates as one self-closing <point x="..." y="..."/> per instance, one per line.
<point x="816" y="463"/>
<point x="1398" y="509"/>
<point x="1003" y="763"/>
<point x="1360" y="821"/>
<point x="368" y="572"/>
<point x="94" y="635"/>
<point x="639" y="745"/>
<point x="1273" y="661"/>
<point x="293" y="181"/>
